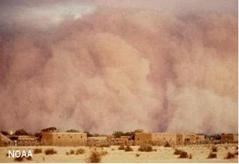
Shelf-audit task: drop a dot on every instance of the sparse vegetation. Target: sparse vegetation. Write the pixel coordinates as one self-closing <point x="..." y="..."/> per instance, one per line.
<point x="50" y="152"/>
<point x="178" y="151"/>
<point x="212" y="155"/>
<point x="190" y="156"/>
<point x="128" y="148"/>
<point x="182" y="154"/>
<point x="230" y="155"/>
<point x="37" y="151"/>
<point x="146" y="148"/>
<point x="137" y="155"/>
<point x="121" y="147"/>
<point x="95" y="157"/>
<point x="214" y="148"/>
<point x="167" y="144"/>
<point x="80" y="151"/>
<point x="72" y="152"/>
<point x="29" y="158"/>
<point x="20" y="159"/>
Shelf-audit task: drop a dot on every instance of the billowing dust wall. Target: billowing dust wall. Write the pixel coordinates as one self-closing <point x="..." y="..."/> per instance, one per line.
<point x="119" y="67"/>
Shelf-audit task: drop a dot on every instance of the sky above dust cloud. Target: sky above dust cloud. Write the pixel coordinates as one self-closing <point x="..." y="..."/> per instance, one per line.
<point x="104" y="65"/>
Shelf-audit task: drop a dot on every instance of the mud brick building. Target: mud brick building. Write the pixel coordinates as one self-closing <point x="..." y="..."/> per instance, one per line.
<point x="64" y="138"/>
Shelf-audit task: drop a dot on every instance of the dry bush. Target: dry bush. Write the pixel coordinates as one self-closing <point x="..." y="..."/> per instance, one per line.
<point x="29" y="158"/>
<point x="212" y="155"/>
<point x="80" y="151"/>
<point x="214" y="148"/>
<point x="190" y="156"/>
<point x="37" y="151"/>
<point x="20" y="159"/>
<point x="67" y="153"/>
<point x="95" y="157"/>
<point x="137" y="155"/>
<point x="145" y="148"/>
<point x="183" y="154"/>
<point x="167" y="144"/>
<point x="230" y="155"/>
<point x="72" y="152"/>
<point x="121" y="147"/>
<point x="178" y="151"/>
<point x="50" y="152"/>
<point x="236" y="153"/>
<point x="112" y="149"/>
<point x="128" y="148"/>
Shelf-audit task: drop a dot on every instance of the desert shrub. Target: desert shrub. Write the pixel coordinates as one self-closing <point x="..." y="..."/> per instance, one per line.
<point x="212" y="155"/>
<point x="20" y="159"/>
<point x="154" y="149"/>
<point x="128" y="148"/>
<point x="121" y="147"/>
<point x="29" y="158"/>
<point x="112" y="149"/>
<point x="167" y="144"/>
<point x="67" y="153"/>
<point x="95" y="157"/>
<point x="230" y="155"/>
<point x="50" y="151"/>
<point x="146" y="148"/>
<point x="72" y="152"/>
<point x="236" y="153"/>
<point x="80" y="151"/>
<point x="214" y="148"/>
<point x="137" y="155"/>
<point x="190" y="156"/>
<point x="178" y="151"/>
<point x="183" y="154"/>
<point x="37" y="151"/>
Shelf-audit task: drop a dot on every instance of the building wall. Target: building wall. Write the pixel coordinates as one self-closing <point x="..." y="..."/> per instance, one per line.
<point x="27" y="141"/>
<point x="228" y="138"/>
<point x="97" y="141"/>
<point x="163" y="138"/>
<point x="64" y="138"/>
<point x="123" y="140"/>
<point x="143" y="138"/>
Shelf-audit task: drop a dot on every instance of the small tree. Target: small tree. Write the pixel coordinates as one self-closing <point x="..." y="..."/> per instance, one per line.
<point x="20" y="132"/>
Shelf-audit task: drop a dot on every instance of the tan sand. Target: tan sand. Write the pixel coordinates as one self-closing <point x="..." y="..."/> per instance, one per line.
<point x="162" y="154"/>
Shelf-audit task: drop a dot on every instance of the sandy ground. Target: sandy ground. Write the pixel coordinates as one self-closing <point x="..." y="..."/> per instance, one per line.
<point x="162" y="154"/>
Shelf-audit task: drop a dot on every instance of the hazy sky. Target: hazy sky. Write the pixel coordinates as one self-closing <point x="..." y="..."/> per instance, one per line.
<point x="104" y="65"/>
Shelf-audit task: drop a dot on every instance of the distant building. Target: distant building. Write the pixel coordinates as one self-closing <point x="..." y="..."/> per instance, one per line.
<point x="143" y="138"/>
<point x="97" y="141"/>
<point x="167" y="138"/>
<point x="192" y="138"/>
<point x="5" y="141"/>
<point x="64" y="138"/>
<point x="229" y="138"/>
<point x="122" y="140"/>
<point x="26" y="140"/>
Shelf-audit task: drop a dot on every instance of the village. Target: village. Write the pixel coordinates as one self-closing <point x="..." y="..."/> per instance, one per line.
<point x="53" y="137"/>
<point x="54" y="145"/>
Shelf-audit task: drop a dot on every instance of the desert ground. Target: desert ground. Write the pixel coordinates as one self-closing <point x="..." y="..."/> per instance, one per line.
<point x="199" y="153"/>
